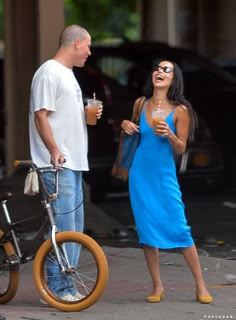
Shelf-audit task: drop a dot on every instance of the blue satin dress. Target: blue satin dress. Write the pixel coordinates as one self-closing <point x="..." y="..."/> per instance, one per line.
<point x="155" y="196"/>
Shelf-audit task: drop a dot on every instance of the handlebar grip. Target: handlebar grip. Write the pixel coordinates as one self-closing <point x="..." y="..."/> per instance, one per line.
<point x="22" y="163"/>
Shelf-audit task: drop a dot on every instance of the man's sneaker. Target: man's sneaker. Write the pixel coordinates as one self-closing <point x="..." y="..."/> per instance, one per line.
<point x="78" y="296"/>
<point x="67" y="297"/>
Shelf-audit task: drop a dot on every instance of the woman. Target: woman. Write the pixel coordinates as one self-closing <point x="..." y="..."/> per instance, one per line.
<point x="155" y="195"/>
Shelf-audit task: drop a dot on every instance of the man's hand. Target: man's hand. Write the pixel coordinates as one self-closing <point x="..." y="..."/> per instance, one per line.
<point x="99" y="112"/>
<point x="57" y="158"/>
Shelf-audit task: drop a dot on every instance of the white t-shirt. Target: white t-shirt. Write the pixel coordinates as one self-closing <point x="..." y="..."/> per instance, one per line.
<point x="55" y="88"/>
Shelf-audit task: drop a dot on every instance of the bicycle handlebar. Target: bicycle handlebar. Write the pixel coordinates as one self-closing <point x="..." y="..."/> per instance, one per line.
<point x="30" y="163"/>
<point x="22" y="163"/>
<point x="41" y="170"/>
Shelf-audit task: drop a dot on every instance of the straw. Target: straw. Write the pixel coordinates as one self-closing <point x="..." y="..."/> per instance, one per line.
<point x="94" y="95"/>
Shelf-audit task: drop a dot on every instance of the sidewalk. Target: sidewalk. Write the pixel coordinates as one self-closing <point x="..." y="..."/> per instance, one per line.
<point x="129" y="284"/>
<point x="129" y="281"/>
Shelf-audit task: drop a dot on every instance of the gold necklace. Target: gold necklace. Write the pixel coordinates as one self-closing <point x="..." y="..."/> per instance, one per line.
<point x="159" y="103"/>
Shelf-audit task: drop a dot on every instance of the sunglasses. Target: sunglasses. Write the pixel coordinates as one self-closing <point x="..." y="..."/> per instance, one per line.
<point x="165" y="69"/>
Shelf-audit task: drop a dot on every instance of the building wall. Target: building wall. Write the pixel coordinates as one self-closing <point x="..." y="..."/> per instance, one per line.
<point x="204" y="26"/>
<point x="154" y="20"/>
<point x="31" y="36"/>
<point x="216" y="28"/>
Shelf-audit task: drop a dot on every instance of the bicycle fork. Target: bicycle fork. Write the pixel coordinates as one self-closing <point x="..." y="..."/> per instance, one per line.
<point x="54" y="231"/>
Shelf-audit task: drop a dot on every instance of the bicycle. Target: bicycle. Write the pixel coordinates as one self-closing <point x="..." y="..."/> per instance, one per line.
<point x="90" y="275"/>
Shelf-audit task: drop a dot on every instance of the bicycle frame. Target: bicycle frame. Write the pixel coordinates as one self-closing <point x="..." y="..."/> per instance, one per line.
<point x="11" y="234"/>
<point x="49" y="220"/>
<point x="85" y="276"/>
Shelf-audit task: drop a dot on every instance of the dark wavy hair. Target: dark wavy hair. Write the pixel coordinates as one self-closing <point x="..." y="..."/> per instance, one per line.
<point x="175" y="94"/>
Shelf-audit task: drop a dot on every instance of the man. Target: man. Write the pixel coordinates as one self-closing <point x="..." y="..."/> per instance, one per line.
<point x="58" y="136"/>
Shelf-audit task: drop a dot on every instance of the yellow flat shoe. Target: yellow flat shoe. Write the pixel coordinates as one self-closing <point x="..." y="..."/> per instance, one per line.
<point x="155" y="298"/>
<point x="204" y="299"/>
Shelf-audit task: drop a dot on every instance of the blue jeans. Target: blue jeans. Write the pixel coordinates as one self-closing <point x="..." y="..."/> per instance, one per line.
<point x="69" y="215"/>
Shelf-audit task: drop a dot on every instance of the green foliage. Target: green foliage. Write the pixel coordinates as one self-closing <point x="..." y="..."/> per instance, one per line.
<point x="104" y="18"/>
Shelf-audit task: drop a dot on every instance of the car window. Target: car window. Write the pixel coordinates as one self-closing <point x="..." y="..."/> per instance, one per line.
<point x="127" y="72"/>
<point x="133" y="73"/>
<point x="115" y="68"/>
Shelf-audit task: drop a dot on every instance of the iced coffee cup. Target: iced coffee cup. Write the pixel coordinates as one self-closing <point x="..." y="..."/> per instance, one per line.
<point x="158" y="116"/>
<point x="91" y="111"/>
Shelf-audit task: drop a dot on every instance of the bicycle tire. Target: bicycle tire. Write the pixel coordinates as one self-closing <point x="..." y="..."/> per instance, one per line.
<point x="89" y="281"/>
<point x="9" y="279"/>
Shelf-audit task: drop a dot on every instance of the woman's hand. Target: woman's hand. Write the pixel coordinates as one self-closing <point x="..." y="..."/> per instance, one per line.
<point x="129" y="127"/>
<point x="162" y="129"/>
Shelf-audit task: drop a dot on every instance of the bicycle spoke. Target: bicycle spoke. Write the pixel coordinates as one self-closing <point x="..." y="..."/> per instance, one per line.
<point x="82" y="276"/>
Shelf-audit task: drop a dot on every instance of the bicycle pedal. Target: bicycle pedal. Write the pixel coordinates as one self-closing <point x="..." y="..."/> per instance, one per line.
<point x="13" y="263"/>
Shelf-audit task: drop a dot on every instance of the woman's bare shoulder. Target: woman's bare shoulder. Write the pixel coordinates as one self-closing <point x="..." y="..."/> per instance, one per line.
<point x="181" y="108"/>
<point x="181" y="112"/>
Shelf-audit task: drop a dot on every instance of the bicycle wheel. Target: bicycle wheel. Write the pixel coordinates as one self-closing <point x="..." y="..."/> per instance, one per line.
<point x="88" y="277"/>
<point x="9" y="278"/>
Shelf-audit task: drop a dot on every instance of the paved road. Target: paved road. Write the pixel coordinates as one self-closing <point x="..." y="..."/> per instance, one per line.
<point x="129" y="281"/>
<point x="128" y="286"/>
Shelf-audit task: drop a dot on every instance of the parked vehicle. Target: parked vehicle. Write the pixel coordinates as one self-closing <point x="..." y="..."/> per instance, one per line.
<point x="120" y="72"/>
<point x="117" y="73"/>
<point x="205" y="164"/>
<point x="228" y="65"/>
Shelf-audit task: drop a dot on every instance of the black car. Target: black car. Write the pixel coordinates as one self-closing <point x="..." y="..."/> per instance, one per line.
<point x="204" y="164"/>
<point x="124" y="68"/>
<point x="118" y="73"/>
<point x="228" y="65"/>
